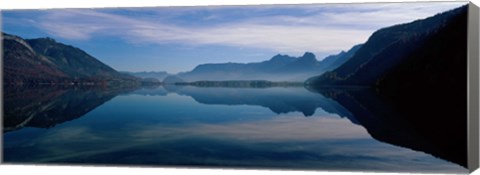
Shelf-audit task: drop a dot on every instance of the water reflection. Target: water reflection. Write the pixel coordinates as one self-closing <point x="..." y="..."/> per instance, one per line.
<point x="416" y="120"/>
<point x="48" y="106"/>
<point x="277" y="99"/>
<point x="228" y="127"/>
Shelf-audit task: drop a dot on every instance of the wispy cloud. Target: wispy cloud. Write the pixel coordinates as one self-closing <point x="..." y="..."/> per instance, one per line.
<point x="317" y="28"/>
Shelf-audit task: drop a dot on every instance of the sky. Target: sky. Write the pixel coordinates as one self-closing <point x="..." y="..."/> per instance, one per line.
<point x="176" y="39"/>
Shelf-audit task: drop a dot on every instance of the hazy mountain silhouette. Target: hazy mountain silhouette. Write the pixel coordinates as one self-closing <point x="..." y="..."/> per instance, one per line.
<point x="334" y="61"/>
<point x="278" y="68"/>
<point x="159" y="75"/>
<point x="44" y="60"/>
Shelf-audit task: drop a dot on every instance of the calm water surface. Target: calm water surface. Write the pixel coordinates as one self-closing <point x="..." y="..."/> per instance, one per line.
<point x="192" y="126"/>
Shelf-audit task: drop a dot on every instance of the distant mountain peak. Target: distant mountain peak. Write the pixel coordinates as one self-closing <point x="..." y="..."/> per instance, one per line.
<point x="308" y="57"/>
<point x="281" y="58"/>
<point x="308" y="54"/>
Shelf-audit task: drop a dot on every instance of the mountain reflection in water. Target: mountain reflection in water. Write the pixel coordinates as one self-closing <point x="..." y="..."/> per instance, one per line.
<point x="278" y="127"/>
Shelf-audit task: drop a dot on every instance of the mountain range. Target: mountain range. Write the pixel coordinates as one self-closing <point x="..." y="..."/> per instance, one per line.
<point x="277" y="68"/>
<point x="46" y="61"/>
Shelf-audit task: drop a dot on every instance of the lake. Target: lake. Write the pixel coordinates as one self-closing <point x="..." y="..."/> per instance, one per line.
<point x="276" y="127"/>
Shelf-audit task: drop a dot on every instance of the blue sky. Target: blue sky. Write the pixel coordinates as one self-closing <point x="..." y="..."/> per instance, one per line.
<point x="176" y="39"/>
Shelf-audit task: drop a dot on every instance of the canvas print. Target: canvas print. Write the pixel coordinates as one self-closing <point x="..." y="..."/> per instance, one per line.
<point x="344" y="87"/>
